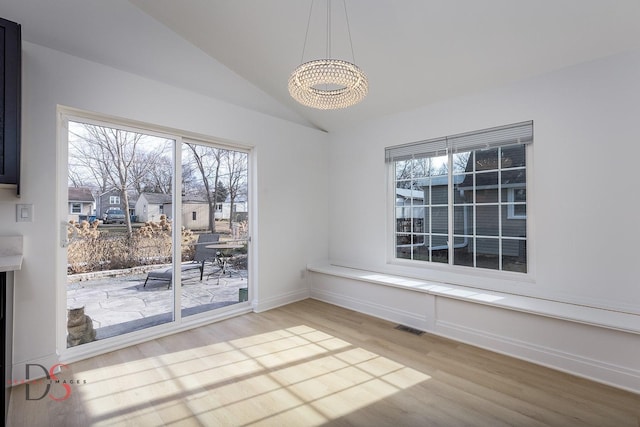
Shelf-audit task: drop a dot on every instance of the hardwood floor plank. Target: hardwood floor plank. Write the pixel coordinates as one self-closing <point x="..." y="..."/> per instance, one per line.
<point x="312" y="363"/>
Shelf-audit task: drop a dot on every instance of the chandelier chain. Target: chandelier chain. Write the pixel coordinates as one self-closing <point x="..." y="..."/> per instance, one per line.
<point x="346" y="15"/>
<point x="328" y="29"/>
<point x="306" y="34"/>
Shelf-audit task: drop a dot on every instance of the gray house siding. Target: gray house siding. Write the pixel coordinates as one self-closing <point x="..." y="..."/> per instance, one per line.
<point x="109" y="199"/>
<point x="81" y="203"/>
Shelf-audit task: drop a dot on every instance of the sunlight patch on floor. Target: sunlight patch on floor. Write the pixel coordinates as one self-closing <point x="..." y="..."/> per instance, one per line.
<point x="270" y="378"/>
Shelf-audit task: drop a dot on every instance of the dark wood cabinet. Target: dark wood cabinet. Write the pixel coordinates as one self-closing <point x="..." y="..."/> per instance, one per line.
<point x="6" y="341"/>
<point x="10" y="92"/>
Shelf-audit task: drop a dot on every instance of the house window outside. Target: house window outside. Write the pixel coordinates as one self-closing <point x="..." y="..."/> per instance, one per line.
<point x="76" y="208"/>
<point x="517" y="203"/>
<point x="461" y="200"/>
<point x="114" y="200"/>
<point x="219" y="206"/>
<point x="161" y="209"/>
<point x="193" y="215"/>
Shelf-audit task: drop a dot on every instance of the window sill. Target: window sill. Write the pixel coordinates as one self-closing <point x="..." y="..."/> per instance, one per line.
<point x="621" y="321"/>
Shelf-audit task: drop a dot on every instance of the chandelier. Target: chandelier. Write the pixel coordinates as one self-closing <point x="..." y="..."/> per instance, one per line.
<point x="328" y="84"/>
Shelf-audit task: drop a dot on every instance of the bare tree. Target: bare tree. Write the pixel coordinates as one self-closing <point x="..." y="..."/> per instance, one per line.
<point x="87" y="162"/>
<point x="109" y="155"/>
<point x="152" y="172"/>
<point x="208" y="161"/>
<point x="407" y="171"/>
<point x="236" y="165"/>
<point x="461" y="162"/>
<point x="190" y="181"/>
<point x="76" y="179"/>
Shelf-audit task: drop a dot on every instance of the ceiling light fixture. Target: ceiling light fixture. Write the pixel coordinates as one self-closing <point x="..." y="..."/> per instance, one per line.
<point x="328" y="84"/>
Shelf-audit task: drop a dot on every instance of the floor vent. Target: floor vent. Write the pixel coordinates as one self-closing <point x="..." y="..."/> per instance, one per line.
<point x="409" y="329"/>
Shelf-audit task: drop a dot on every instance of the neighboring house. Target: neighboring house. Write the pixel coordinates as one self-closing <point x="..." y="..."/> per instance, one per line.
<point x="195" y="213"/>
<point x="420" y="212"/>
<point x="133" y="200"/>
<point x="113" y="199"/>
<point x="240" y="208"/>
<point x="423" y="206"/>
<point x="409" y="204"/>
<point x="195" y="210"/>
<point x="150" y="206"/>
<point x="512" y="222"/>
<point x="109" y="199"/>
<point x="81" y="203"/>
<point x="409" y="218"/>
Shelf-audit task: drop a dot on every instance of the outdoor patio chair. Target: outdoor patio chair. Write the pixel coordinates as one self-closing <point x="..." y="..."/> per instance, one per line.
<point x="202" y="255"/>
<point x="166" y="274"/>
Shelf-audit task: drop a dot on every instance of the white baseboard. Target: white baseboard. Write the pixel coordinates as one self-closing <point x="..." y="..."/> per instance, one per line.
<point x="596" y="370"/>
<point x="274" y="301"/>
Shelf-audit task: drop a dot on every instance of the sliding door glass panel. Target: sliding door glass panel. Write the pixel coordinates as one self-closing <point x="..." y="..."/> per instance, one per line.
<point x="215" y="218"/>
<point x="119" y="232"/>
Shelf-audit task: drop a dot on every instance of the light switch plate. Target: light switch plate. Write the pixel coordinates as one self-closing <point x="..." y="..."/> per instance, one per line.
<point x="24" y="212"/>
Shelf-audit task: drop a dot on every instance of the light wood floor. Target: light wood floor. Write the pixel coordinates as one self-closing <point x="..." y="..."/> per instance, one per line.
<point x="311" y="363"/>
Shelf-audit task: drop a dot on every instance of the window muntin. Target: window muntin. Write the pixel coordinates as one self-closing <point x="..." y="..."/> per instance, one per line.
<point x="422" y="209"/>
<point x="486" y="232"/>
<point x="475" y="198"/>
<point x="114" y="200"/>
<point x="76" y="208"/>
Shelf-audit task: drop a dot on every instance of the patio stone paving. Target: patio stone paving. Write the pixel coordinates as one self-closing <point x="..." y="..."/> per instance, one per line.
<point x="123" y="304"/>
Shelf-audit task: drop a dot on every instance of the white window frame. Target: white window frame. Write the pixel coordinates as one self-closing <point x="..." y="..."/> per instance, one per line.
<point x="68" y="355"/>
<point x="114" y="200"/>
<point x="73" y="210"/>
<point x="443" y="269"/>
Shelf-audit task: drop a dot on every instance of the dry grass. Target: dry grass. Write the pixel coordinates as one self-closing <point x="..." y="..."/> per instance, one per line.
<point x="95" y="248"/>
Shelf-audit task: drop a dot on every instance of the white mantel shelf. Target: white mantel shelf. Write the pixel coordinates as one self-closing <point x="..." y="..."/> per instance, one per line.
<point x="10" y="253"/>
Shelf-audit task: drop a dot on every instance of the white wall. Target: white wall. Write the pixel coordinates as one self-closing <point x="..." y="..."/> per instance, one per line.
<point x="582" y="212"/>
<point x="285" y="153"/>
<point x="584" y="235"/>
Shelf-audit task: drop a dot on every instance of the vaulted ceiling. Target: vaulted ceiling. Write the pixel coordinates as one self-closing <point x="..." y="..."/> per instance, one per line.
<point x="415" y="52"/>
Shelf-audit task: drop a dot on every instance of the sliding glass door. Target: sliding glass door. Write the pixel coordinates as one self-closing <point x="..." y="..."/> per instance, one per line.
<point x="154" y="222"/>
<point x="216" y="216"/>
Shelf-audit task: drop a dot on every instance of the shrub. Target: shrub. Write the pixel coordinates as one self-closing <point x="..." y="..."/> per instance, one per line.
<point x="90" y="249"/>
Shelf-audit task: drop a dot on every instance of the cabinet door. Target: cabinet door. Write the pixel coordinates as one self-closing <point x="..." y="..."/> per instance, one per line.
<point x="4" y="389"/>
<point x="10" y="91"/>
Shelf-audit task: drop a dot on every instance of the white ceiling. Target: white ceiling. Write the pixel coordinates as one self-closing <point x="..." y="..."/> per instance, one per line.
<point x="415" y="52"/>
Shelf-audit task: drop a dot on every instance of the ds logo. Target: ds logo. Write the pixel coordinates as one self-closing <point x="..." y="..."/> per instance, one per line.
<point x="52" y="380"/>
